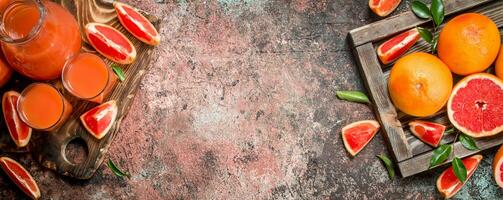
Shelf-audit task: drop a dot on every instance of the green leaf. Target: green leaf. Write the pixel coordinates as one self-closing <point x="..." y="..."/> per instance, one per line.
<point x="468" y="142"/>
<point x="434" y="44"/>
<point x="437" y="11"/>
<point x="353" y="96"/>
<point x="459" y="169"/>
<point x="449" y="131"/>
<point x="116" y="170"/>
<point x="440" y="154"/>
<point x="389" y="165"/>
<point x="119" y="72"/>
<point x="425" y="34"/>
<point x="420" y="9"/>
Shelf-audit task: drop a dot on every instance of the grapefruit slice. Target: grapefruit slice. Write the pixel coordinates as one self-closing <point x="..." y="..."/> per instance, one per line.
<point x="358" y="134"/>
<point x="110" y="43"/>
<point x="448" y="184"/>
<point x="383" y="7"/>
<point x="429" y="132"/>
<point x="137" y="24"/>
<point x="498" y="167"/>
<point x="18" y="130"/>
<point x="397" y="46"/>
<point x="100" y="119"/>
<point x="18" y="174"/>
<point x="475" y="106"/>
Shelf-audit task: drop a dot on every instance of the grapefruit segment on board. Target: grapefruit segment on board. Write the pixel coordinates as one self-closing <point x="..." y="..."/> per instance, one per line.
<point x="475" y="106"/>
<point x="448" y="184"/>
<point x="19" y="132"/>
<point x="110" y="43"/>
<point x="358" y="134"/>
<point x="429" y="132"/>
<point x="498" y="167"/>
<point x="22" y="178"/>
<point x="397" y="46"/>
<point x="383" y="7"/>
<point x="137" y="24"/>
<point x="100" y="119"/>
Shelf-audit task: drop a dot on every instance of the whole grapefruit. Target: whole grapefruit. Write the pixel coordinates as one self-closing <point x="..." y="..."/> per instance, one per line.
<point x="499" y="64"/>
<point x="420" y="84"/>
<point x="469" y="43"/>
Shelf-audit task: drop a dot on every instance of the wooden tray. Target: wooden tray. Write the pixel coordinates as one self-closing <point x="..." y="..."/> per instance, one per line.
<point x="412" y="155"/>
<point x="49" y="148"/>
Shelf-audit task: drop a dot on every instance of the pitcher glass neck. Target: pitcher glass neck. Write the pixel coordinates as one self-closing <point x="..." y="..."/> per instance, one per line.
<point x="12" y="7"/>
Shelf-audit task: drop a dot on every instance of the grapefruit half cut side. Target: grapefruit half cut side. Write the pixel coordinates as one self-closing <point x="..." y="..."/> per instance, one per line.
<point x="448" y="184"/>
<point x="498" y="167"/>
<point x="137" y="24"/>
<point x="110" y="43"/>
<point x="475" y="106"/>
<point x="19" y="132"/>
<point x="22" y="178"/>
<point x="100" y="119"/>
<point x="429" y="132"/>
<point x="397" y="46"/>
<point x="358" y="134"/>
<point x="383" y="7"/>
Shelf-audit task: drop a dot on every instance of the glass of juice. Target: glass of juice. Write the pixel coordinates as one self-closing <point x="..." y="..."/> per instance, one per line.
<point x="87" y="76"/>
<point x="43" y="107"/>
<point x="37" y="37"/>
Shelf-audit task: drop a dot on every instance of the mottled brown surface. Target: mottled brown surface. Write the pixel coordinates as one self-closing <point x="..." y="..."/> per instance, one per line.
<point x="240" y="104"/>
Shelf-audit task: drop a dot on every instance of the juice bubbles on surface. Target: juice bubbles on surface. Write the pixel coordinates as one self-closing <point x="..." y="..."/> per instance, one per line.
<point x="38" y="38"/>
<point x="86" y="76"/>
<point x="42" y="107"/>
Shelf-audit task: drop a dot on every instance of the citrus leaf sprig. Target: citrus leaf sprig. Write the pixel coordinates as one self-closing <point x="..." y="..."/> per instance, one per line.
<point x="436" y="13"/>
<point x="353" y="96"/>
<point x="118" y="172"/>
<point x="389" y="165"/>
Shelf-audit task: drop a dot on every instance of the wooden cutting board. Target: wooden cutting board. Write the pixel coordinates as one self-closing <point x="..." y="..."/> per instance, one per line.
<point x="49" y="147"/>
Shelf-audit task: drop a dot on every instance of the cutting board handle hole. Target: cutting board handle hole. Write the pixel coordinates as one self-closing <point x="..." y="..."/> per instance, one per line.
<point x="76" y="151"/>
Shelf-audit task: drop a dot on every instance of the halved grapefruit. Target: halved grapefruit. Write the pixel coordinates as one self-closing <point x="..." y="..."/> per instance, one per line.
<point x="383" y="7"/>
<point x="22" y="178"/>
<point x="448" y="184"/>
<point x="100" y="119"/>
<point x="110" y="43"/>
<point x="429" y="132"/>
<point x="358" y="134"/>
<point x="397" y="46"/>
<point x="475" y="106"/>
<point x="498" y="167"/>
<point x="137" y="24"/>
<point x="18" y="130"/>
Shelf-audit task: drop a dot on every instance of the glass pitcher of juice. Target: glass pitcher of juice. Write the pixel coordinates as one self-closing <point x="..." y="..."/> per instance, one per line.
<point x="38" y="36"/>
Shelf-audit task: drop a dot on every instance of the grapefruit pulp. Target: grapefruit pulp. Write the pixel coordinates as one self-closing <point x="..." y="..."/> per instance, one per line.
<point x="358" y="134"/>
<point x="110" y="43"/>
<point x="18" y="174"/>
<point x="383" y="7"/>
<point x="448" y="184"/>
<point x="19" y="132"/>
<point x="429" y="132"/>
<point x="100" y="119"/>
<point x="397" y="46"/>
<point x="476" y="105"/>
<point x="137" y="24"/>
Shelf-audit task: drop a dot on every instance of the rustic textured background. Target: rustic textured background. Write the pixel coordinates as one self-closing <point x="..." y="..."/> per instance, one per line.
<point x="239" y="104"/>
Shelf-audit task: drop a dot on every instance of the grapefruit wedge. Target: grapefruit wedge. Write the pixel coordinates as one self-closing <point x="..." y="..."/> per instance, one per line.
<point x="22" y="178"/>
<point x="498" y="167"/>
<point x="475" y="106"/>
<point x="397" y="46"/>
<point x="100" y="119"/>
<point x="448" y="184"/>
<point x="383" y="7"/>
<point x="137" y="24"/>
<point x="110" y="43"/>
<point x="19" y="132"/>
<point x="358" y="134"/>
<point x="429" y="132"/>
